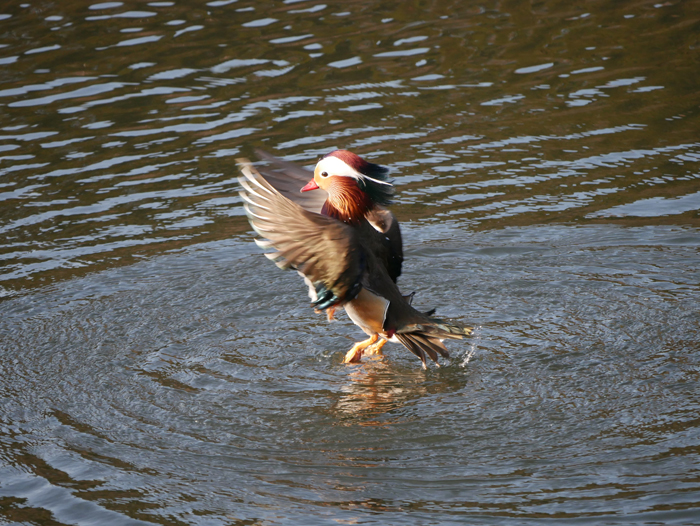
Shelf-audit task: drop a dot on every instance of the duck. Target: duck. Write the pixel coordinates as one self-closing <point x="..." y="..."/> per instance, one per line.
<point x="386" y="240"/>
<point x="337" y="232"/>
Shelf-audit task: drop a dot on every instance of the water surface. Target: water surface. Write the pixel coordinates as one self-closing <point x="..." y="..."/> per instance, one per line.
<point x="156" y="369"/>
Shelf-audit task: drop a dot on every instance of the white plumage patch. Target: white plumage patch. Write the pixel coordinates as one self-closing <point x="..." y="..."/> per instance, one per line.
<point x="334" y="166"/>
<point x="312" y="290"/>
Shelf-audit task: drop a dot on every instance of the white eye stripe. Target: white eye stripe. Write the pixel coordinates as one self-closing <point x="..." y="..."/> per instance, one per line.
<point x="334" y="166"/>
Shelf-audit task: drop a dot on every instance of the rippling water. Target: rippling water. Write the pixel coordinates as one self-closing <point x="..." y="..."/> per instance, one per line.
<point x="154" y="368"/>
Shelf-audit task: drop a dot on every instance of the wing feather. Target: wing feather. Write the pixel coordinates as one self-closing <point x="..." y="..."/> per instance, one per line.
<point x="288" y="179"/>
<point x="327" y="251"/>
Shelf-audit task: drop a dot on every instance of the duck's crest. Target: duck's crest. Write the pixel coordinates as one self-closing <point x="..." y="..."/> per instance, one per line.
<point x="371" y="178"/>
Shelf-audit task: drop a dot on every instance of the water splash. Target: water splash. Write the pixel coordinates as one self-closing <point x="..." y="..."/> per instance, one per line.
<point x="475" y="339"/>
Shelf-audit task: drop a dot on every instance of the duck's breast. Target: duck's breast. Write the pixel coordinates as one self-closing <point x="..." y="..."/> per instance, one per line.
<point x="368" y="311"/>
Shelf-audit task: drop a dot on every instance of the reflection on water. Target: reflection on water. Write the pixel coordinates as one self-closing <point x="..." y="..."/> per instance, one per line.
<point x="153" y="368"/>
<point x="375" y="389"/>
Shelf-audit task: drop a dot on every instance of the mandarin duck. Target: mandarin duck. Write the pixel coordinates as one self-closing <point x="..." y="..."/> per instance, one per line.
<point x="346" y="245"/>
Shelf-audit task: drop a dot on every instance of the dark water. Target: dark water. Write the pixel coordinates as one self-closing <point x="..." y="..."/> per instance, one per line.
<point x="156" y="369"/>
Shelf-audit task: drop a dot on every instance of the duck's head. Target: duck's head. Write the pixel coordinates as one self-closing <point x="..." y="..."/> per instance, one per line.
<point x="347" y="176"/>
<point x="354" y="185"/>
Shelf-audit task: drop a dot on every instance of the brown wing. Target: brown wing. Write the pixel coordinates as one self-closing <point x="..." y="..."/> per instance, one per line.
<point x="327" y="251"/>
<point x="288" y="179"/>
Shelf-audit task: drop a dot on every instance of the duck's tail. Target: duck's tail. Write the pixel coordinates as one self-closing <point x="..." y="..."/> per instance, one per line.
<point x="425" y="339"/>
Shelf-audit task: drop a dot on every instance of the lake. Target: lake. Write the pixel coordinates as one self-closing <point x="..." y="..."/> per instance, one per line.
<point x="155" y="368"/>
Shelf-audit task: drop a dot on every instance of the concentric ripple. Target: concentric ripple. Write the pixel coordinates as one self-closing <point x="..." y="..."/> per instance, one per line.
<point x="153" y="392"/>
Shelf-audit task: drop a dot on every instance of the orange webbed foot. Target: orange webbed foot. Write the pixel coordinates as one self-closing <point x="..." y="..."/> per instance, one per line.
<point x="354" y="355"/>
<point x="376" y="349"/>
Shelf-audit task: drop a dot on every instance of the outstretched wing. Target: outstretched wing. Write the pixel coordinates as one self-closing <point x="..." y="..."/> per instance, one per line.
<point x="288" y="179"/>
<point x="327" y="251"/>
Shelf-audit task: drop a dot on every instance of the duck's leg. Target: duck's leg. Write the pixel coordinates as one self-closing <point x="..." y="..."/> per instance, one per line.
<point x="354" y="355"/>
<point x="376" y="349"/>
<point x="330" y="312"/>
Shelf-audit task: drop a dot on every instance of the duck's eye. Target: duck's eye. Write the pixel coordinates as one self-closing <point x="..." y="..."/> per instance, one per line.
<point x="324" y="174"/>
